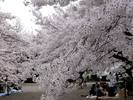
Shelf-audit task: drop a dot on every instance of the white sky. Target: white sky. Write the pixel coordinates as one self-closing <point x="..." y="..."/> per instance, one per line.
<point x="24" y="14"/>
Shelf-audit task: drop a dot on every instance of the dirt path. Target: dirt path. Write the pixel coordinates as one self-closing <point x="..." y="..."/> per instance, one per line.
<point x="28" y="88"/>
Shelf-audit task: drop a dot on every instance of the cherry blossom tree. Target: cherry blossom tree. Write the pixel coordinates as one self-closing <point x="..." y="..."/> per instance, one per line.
<point x="93" y="34"/>
<point x="15" y="57"/>
<point x="51" y="2"/>
<point x="81" y="37"/>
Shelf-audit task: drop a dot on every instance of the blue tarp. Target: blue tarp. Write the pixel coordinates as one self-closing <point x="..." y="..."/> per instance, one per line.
<point x="16" y="91"/>
<point x="3" y="94"/>
<point x="11" y="92"/>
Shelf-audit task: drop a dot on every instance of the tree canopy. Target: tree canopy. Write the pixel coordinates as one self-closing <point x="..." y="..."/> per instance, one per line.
<point x="83" y="34"/>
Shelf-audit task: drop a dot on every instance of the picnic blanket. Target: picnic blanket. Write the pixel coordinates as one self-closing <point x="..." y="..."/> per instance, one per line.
<point x="12" y="91"/>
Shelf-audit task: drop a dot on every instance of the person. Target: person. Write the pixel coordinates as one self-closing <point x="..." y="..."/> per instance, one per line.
<point x="112" y="89"/>
<point x="99" y="91"/>
<point x="8" y="89"/>
<point x="81" y="79"/>
<point x="105" y="92"/>
<point x="117" y="77"/>
<point x="7" y="85"/>
<point x="93" y="90"/>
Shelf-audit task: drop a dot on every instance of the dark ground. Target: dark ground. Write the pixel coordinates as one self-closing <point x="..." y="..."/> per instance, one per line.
<point x="32" y="92"/>
<point x="80" y="94"/>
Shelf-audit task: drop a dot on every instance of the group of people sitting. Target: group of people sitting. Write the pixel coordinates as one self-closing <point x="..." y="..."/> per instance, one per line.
<point x="8" y="88"/>
<point x="103" y="89"/>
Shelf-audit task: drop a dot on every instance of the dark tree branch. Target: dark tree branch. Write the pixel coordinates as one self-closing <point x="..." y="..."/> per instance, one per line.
<point x="128" y="33"/>
<point x="120" y="56"/>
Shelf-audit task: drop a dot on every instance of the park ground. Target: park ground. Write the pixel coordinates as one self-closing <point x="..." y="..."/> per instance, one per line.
<point x="32" y="92"/>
